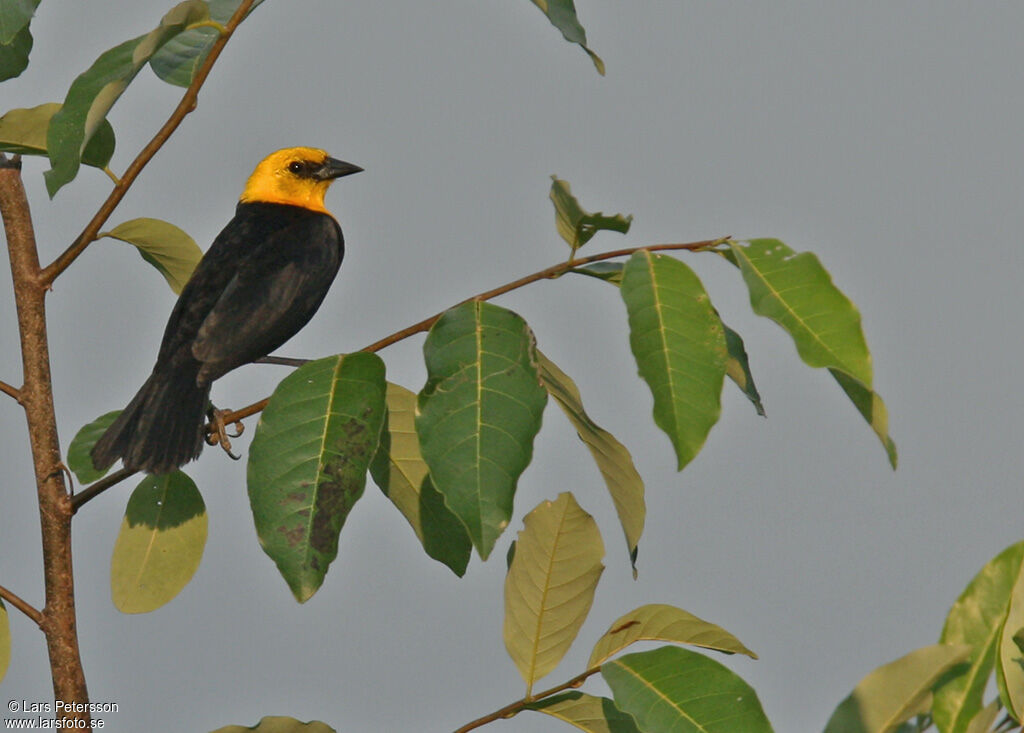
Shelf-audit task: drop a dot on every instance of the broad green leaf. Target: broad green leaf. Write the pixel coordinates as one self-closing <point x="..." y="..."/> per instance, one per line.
<point x="170" y="250"/>
<point x="586" y="712"/>
<point x="479" y="413"/>
<point x="550" y="585"/>
<point x="576" y="225"/>
<point x="23" y="131"/>
<point x="179" y="59"/>
<point x="976" y="619"/>
<point x="737" y="367"/>
<point x="5" y="641"/>
<point x="308" y="461"/>
<point x="1009" y="656"/>
<point x="897" y="691"/>
<point x="613" y="460"/>
<point x="674" y="689"/>
<point x="79" y="460"/>
<point x="160" y="544"/>
<point x="279" y="724"/>
<point x="15" y="15"/>
<point x="607" y="271"/>
<point x="14" y="55"/>
<point x="401" y="473"/>
<point x="985" y="719"/>
<point x="661" y="622"/>
<point x="679" y="345"/>
<point x="795" y="291"/>
<point x="562" y="14"/>
<point x="96" y="90"/>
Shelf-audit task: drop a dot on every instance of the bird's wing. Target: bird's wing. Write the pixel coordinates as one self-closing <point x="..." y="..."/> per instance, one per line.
<point x="276" y="290"/>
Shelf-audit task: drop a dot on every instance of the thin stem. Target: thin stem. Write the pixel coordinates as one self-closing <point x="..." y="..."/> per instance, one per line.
<point x="97" y="488"/>
<point x="111" y="175"/>
<point x="186" y="105"/>
<point x="513" y="708"/>
<point x="26" y="608"/>
<point x="9" y="390"/>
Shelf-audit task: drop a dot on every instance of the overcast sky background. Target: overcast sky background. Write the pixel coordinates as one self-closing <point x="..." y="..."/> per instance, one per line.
<point x="885" y="137"/>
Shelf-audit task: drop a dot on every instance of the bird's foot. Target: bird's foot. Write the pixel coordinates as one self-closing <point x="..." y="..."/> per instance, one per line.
<point x="219" y="434"/>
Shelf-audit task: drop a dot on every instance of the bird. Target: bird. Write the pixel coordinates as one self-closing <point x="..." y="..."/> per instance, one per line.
<point x="260" y="282"/>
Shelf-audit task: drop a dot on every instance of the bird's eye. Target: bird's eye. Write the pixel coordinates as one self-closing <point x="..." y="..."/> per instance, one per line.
<point x="295" y="167"/>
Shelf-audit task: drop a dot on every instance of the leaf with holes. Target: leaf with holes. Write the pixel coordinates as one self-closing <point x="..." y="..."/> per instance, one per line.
<point x="562" y="14"/>
<point x="96" y="89"/>
<point x="23" y="132"/>
<point x="550" y="585"/>
<point x="308" y="462"/>
<point x="661" y="622"/>
<point x="674" y="689"/>
<point x="479" y="413"/>
<point x="586" y="712"/>
<point x="795" y="291"/>
<point x="402" y="474"/>
<point x="897" y="691"/>
<point x="160" y="544"/>
<point x="679" y="345"/>
<point x="613" y="460"/>
<point x="166" y="247"/>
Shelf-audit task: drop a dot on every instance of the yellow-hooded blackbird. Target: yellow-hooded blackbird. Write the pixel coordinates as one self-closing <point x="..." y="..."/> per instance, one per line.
<point x="260" y="282"/>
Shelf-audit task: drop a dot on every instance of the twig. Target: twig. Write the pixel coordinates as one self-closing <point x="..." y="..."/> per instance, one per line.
<point x="282" y="361"/>
<point x="512" y="708"/>
<point x="186" y="105"/>
<point x="545" y="274"/>
<point x="12" y="391"/>
<point x="25" y="607"/>
<point x="97" y="488"/>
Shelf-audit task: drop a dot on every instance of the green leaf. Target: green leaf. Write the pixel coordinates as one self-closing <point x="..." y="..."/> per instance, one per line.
<point x="1009" y="657"/>
<point x="737" y="367"/>
<point x="170" y="250"/>
<point x="308" y="461"/>
<point x="795" y="291"/>
<point x="5" y="641"/>
<point x="576" y="225"/>
<point x="679" y="345"/>
<point x="674" y="689"/>
<point x="896" y="691"/>
<point x="660" y="622"/>
<point x="986" y="717"/>
<point x="550" y="585"/>
<point x="607" y="271"/>
<point x="96" y="90"/>
<point x="23" y="131"/>
<point x="479" y="413"/>
<point x="562" y="14"/>
<point x="401" y="473"/>
<point x="279" y="724"/>
<point x="14" y="16"/>
<point x="179" y="59"/>
<point x="160" y="544"/>
<point x="79" y="458"/>
<point x="976" y="619"/>
<point x="14" y="55"/>
<point x="613" y="460"/>
<point x="586" y="712"/>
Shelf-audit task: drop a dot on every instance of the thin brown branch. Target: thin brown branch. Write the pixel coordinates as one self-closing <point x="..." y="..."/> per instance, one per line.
<point x="95" y="489"/>
<point x="9" y="390"/>
<point x="545" y="274"/>
<point x="25" y="607"/>
<point x="57" y="619"/>
<point x="513" y="708"/>
<point x="186" y="105"/>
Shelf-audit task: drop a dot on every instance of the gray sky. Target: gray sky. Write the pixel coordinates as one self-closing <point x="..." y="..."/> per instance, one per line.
<point x="884" y="137"/>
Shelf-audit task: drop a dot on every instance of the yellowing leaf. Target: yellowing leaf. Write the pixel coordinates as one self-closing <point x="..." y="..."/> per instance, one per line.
<point x="550" y="585"/>
<point x="5" y="641"/>
<point x="23" y="131"/>
<point x="163" y="245"/>
<point x="576" y="225"/>
<point x="279" y="724"/>
<point x="586" y="712"/>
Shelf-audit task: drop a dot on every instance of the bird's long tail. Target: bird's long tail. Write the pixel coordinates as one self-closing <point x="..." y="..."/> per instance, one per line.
<point x="161" y="428"/>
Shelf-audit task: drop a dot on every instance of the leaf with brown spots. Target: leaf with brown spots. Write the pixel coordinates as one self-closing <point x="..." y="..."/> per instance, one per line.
<point x="308" y="462"/>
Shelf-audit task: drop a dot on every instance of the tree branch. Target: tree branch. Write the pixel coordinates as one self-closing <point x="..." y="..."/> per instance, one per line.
<point x="26" y="608"/>
<point x="97" y="488"/>
<point x="512" y="708"/>
<point x="12" y="391"/>
<point x="545" y="274"/>
<point x="186" y="105"/>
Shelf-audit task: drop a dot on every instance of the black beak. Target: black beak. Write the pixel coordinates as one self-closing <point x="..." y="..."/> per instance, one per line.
<point x="332" y="168"/>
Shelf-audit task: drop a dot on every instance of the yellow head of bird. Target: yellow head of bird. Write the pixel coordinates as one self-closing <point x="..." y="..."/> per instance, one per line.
<point x="295" y="176"/>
